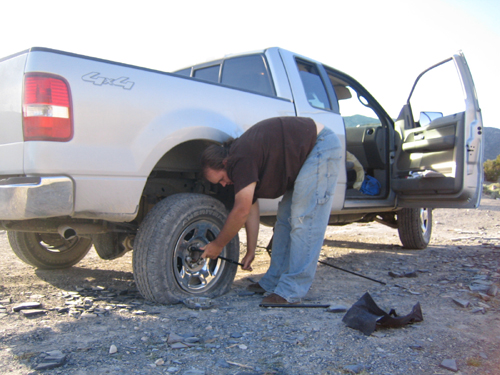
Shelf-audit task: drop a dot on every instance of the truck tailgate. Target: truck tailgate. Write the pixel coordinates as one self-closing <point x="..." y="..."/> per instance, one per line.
<point x="11" y="125"/>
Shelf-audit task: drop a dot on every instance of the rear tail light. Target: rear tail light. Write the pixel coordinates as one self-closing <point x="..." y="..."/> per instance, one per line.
<point x="47" y="114"/>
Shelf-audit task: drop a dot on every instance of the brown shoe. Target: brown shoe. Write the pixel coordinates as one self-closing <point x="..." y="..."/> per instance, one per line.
<point x="274" y="300"/>
<point x="256" y="288"/>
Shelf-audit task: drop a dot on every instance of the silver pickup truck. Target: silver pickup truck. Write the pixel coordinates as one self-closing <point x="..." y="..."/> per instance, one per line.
<point x="94" y="152"/>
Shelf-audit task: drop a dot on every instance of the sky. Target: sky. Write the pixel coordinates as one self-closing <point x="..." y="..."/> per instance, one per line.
<point x="383" y="44"/>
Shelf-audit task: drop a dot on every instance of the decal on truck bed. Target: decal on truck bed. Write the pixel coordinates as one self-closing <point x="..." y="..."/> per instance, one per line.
<point x="99" y="81"/>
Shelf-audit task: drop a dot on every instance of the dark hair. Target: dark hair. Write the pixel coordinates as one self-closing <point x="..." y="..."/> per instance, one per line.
<point x="214" y="155"/>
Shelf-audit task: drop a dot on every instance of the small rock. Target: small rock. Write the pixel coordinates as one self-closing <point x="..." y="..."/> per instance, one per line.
<point x="395" y="274"/>
<point x="194" y="372"/>
<point x="113" y="349"/>
<point x="354" y="369"/>
<point x="492" y="291"/>
<point x="26" y="305"/>
<point x="173" y="338"/>
<point x="139" y="312"/>
<point x="484" y="297"/>
<point x="483" y="355"/>
<point x="55" y="356"/>
<point x="449" y="364"/>
<point x="159" y="362"/>
<point x="37" y="296"/>
<point x="461" y="302"/>
<point x="179" y="345"/>
<point x="172" y="369"/>
<point x="243" y="347"/>
<point x="236" y="335"/>
<point x="88" y="315"/>
<point x="74" y="313"/>
<point x="191" y="340"/>
<point x="484" y="305"/>
<point x="47" y="365"/>
<point x="33" y="312"/>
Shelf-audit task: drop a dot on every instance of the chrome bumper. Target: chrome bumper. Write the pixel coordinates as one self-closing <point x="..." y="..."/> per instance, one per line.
<point x="24" y="198"/>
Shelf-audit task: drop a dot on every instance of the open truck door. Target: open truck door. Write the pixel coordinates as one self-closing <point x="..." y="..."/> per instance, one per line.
<point x="438" y="160"/>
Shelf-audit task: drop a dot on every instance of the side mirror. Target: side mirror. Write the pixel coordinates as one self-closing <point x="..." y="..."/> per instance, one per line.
<point x="427" y="117"/>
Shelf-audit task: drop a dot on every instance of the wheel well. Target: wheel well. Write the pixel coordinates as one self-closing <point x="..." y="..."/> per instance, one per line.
<point x="178" y="171"/>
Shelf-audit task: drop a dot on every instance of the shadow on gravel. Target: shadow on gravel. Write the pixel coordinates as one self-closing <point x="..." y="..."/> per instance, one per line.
<point x="73" y="277"/>
<point x="390" y="248"/>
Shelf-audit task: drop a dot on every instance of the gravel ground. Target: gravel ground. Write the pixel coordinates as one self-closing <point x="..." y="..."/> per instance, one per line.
<point x="91" y="320"/>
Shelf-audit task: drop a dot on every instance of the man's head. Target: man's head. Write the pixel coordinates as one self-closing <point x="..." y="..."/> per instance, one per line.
<point x="213" y="164"/>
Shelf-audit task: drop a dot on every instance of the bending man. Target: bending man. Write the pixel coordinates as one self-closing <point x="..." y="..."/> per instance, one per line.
<point x="292" y="157"/>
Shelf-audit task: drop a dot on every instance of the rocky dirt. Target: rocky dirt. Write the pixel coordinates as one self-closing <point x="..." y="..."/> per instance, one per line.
<point x="91" y="320"/>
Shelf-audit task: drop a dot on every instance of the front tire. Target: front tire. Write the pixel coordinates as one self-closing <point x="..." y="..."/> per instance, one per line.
<point x="48" y="250"/>
<point x="165" y="270"/>
<point x="415" y="227"/>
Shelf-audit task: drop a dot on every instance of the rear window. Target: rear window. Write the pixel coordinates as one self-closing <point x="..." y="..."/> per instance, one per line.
<point x="184" y="72"/>
<point x="248" y="73"/>
<point x="208" y="74"/>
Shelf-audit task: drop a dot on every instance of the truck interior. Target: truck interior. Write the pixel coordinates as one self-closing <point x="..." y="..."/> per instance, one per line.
<point x="367" y="138"/>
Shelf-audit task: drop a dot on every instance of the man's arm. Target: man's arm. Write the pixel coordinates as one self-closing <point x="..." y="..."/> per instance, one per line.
<point x="252" y="229"/>
<point x="235" y="221"/>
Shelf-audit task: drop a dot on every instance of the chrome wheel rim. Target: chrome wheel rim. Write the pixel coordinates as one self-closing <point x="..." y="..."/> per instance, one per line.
<point x="193" y="273"/>
<point x="424" y="220"/>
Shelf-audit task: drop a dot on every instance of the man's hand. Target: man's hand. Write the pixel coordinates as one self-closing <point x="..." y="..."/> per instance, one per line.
<point x="247" y="261"/>
<point x="211" y="250"/>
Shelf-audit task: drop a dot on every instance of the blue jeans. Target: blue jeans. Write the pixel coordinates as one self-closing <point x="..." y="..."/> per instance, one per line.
<point x="302" y="218"/>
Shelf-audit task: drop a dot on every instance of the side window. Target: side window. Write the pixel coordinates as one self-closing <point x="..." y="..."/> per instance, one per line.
<point x="437" y="93"/>
<point x="208" y="74"/>
<point x="313" y="85"/>
<point x="248" y="73"/>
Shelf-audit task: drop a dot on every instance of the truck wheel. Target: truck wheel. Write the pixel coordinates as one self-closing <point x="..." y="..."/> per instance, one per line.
<point x="415" y="227"/>
<point x="165" y="270"/>
<point x="48" y="250"/>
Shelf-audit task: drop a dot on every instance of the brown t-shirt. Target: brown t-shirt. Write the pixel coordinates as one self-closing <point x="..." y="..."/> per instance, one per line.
<point x="271" y="153"/>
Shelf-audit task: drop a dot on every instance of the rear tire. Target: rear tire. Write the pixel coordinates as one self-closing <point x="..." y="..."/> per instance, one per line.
<point x="48" y="250"/>
<point x="415" y="227"/>
<point x="165" y="270"/>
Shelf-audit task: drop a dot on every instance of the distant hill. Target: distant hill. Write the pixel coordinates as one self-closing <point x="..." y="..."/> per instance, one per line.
<point x="491" y="138"/>
<point x="353" y="121"/>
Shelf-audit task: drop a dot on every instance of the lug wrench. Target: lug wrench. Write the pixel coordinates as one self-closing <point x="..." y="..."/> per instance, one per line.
<point x="193" y="248"/>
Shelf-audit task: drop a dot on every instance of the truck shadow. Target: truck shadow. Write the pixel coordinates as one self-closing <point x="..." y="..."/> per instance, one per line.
<point x="75" y="278"/>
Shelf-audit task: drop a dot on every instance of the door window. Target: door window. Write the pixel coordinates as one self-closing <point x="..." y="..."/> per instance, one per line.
<point x="438" y="93"/>
<point x="313" y="85"/>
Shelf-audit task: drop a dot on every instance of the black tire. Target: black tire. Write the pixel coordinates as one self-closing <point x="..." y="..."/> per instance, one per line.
<point x="48" y="251"/>
<point x="415" y="227"/>
<point x="165" y="271"/>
